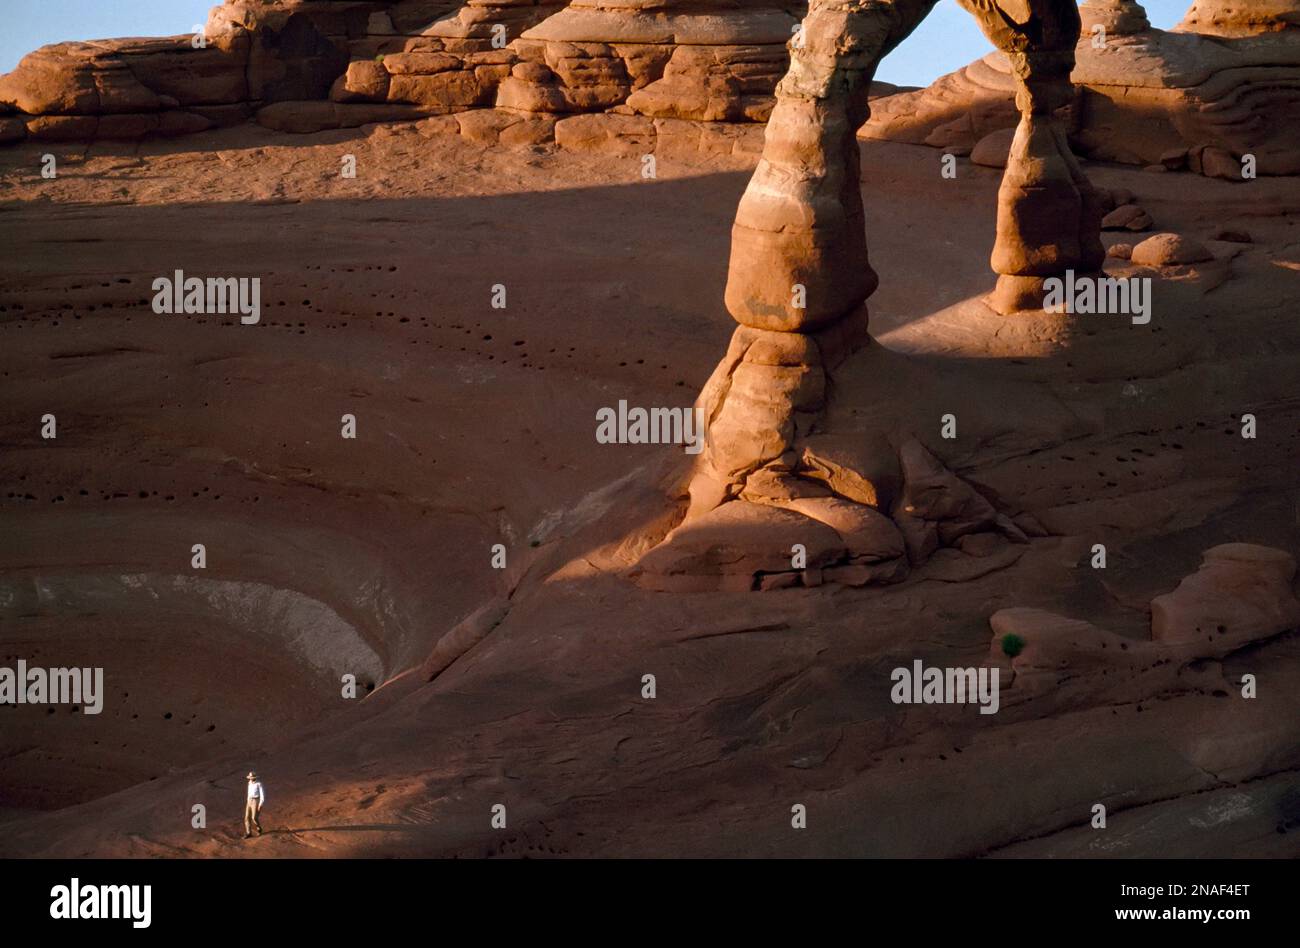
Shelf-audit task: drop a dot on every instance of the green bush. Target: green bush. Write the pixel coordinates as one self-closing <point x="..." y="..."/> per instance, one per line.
<point x="1012" y="645"/>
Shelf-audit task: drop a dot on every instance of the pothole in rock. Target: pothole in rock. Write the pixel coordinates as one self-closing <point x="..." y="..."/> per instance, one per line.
<point x="194" y="669"/>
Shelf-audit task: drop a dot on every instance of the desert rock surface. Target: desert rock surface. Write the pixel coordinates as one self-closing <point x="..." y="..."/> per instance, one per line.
<point x="524" y="685"/>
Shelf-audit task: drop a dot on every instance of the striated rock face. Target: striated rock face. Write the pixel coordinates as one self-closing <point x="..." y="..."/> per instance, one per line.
<point x="1142" y="92"/>
<point x="1241" y="17"/>
<point x="1228" y="79"/>
<point x="1116" y="17"/>
<point x="662" y="58"/>
<point x="248" y="55"/>
<point x="130" y="88"/>
<point x="710" y="61"/>
<point x="426" y="56"/>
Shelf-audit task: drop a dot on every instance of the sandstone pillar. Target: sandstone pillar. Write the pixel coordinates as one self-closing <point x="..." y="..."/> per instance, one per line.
<point x="1049" y="216"/>
<point x="798" y="276"/>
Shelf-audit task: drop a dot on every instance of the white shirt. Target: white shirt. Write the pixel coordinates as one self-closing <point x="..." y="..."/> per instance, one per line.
<point x="255" y="791"/>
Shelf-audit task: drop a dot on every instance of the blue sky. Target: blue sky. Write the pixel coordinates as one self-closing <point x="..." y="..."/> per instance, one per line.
<point x="947" y="40"/>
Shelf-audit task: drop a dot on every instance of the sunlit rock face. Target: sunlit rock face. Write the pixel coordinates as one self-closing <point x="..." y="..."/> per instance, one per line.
<point x="1228" y="78"/>
<point x="1116" y="17"/>
<point x="404" y="59"/>
<point x="1237" y="18"/>
<point x="670" y="59"/>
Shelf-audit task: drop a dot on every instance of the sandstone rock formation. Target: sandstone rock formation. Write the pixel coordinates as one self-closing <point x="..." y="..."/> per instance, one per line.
<point x="1228" y="78"/>
<point x="710" y="62"/>
<point x="130" y="88"/>
<point x="412" y="57"/>
<point x="1115" y="17"/>
<point x="797" y="283"/>
<point x="672" y="59"/>
<point x="1049" y="216"/>
<point x="1238" y="18"/>
<point x="799" y="275"/>
<point x="1128" y="437"/>
<point x="1241" y="593"/>
<point x="1170" y="250"/>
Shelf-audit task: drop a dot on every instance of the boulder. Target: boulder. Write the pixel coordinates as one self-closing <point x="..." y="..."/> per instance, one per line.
<point x="1116" y="17"/>
<point x="992" y="150"/>
<point x="1220" y="163"/>
<point x="1169" y="250"/>
<point x="672" y="59"/>
<point x="448" y="91"/>
<point x="499" y="126"/>
<point x="62" y="128"/>
<point x="714" y="84"/>
<point x="364" y="81"/>
<point x="1241" y="592"/>
<point x="1128" y="217"/>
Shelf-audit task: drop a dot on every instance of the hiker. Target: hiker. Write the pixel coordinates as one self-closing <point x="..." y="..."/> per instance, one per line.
<point x="256" y="797"/>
